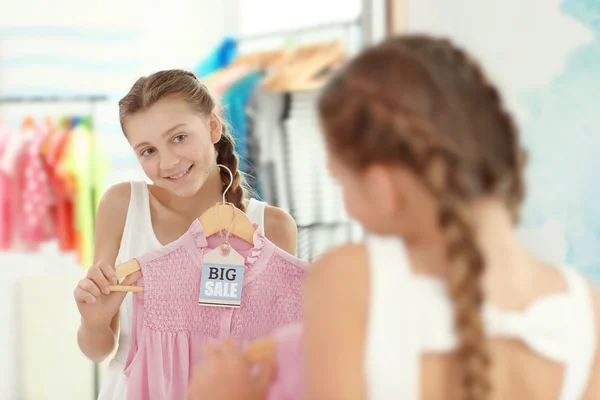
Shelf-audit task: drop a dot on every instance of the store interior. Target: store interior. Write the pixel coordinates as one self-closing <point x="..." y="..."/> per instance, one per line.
<point x="64" y="67"/>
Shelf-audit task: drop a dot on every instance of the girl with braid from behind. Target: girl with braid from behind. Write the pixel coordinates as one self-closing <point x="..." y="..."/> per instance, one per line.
<point x="440" y="301"/>
<point x="170" y="122"/>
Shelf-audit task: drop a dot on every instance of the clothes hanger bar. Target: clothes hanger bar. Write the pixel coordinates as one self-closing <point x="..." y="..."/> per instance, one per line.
<point x="54" y="99"/>
<point x="300" y="31"/>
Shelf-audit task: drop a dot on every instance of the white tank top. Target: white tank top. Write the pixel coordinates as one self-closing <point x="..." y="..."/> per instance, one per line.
<point x="411" y="314"/>
<point x="139" y="238"/>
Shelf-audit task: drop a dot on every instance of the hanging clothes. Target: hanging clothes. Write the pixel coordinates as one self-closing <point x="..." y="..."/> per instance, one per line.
<point x="63" y="210"/>
<point x="234" y="103"/>
<point x="13" y="164"/>
<point x="221" y="57"/>
<point x="52" y="176"/>
<point x="37" y="197"/>
<point x="5" y="203"/>
<point x="84" y="167"/>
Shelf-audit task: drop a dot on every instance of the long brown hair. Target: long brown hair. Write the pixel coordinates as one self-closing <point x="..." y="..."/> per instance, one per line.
<point x="424" y="104"/>
<point x="148" y="90"/>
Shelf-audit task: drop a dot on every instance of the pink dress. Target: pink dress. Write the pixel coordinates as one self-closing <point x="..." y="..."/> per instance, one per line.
<point x="169" y="325"/>
<point x="289" y="382"/>
<point x="37" y="199"/>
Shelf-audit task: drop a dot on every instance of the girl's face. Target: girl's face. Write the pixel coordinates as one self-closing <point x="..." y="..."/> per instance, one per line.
<point x="385" y="199"/>
<point x="175" y="144"/>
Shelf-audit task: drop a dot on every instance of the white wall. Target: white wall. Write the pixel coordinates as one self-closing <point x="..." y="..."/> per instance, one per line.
<point x="67" y="47"/>
<point x="544" y="55"/>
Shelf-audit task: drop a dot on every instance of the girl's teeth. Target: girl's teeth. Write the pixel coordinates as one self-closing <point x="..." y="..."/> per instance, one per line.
<point x="180" y="175"/>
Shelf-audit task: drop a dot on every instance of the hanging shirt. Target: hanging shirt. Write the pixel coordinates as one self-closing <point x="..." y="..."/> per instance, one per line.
<point x="37" y="196"/>
<point x="234" y="103"/>
<point x="64" y="191"/>
<point x="219" y="81"/>
<point x="5" y="202"/>
<point x="169" y="326"/>
<point x="219" y="58"/>
<point x="12" y="165"/>
<point x="64" y="196"/>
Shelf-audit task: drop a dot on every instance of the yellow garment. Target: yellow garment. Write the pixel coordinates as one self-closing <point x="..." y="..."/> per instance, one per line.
<point x="87" y="166"/>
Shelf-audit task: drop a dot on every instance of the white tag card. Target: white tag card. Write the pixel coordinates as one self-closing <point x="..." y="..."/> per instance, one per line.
<point x="222" y="279"/>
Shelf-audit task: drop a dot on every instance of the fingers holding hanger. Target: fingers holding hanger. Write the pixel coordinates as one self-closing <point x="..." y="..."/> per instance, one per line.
<point x="86" y="291"/>
<point x="109" y="272"/>
<point x="98" y="274"/>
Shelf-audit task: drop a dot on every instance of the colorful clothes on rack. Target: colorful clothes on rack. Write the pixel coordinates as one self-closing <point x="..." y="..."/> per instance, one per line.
<point x="51" y="181"/>
<point x="169" y="326"/>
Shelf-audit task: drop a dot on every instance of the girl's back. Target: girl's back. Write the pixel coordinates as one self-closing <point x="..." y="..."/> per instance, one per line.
<point x="543" y="337"/>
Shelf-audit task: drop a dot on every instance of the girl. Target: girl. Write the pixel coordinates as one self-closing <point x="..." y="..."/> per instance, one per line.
<point x="440" y="302"/>
<point x="170" y="121"/>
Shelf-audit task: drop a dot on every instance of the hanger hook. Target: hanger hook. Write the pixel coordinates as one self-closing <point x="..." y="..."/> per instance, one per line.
<point x="230" y="176"/>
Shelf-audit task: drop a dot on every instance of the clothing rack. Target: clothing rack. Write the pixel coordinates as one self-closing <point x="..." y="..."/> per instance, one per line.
<point x="92" y="100"/>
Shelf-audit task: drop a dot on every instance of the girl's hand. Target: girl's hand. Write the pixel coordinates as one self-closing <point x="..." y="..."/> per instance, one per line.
<point x="224" y="374"/>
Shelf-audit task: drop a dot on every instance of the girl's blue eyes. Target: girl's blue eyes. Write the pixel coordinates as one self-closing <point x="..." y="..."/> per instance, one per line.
<point x="176" y="139"/>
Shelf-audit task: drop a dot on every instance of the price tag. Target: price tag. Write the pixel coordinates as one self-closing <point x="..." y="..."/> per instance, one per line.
<point x="222" y="278"/>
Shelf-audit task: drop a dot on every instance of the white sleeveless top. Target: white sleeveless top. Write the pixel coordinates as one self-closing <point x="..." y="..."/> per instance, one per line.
<point x="138" y="239"/>
<point x="411" y="314"/>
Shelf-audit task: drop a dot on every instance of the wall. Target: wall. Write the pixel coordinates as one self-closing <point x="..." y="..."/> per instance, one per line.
<point x="75" y="47"/>
<point x="544" y="56"/>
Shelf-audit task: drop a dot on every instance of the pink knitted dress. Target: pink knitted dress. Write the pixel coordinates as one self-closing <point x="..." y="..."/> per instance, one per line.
<point x="169" y="326"/>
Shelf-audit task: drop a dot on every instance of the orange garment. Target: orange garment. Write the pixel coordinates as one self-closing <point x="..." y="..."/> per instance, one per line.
<point x="63" y="189"/>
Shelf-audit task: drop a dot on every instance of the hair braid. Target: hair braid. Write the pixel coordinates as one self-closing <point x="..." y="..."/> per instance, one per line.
<point x="226" y="155"/>
<point x="466" y="268"/>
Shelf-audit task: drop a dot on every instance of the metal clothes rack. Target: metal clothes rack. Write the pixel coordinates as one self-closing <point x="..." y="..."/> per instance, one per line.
<point x="312" y="30"/>
<point x="92" y="99"/>
<point x="299" y="31"/>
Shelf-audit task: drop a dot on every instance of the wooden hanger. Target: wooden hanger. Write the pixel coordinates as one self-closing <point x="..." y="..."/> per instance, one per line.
<point x="304" y="71"/>
<point x="213" y="220"/>
<point x="258" y="61"/>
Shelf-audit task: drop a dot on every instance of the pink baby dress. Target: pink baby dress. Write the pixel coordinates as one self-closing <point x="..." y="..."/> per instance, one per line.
<point x="169" y="325"/>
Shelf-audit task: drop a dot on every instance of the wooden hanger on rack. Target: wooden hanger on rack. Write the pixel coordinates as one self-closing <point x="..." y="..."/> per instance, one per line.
<point x="212" y="221"/>
<point x="258" y="61"/>
<point x="307" y="68"/>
